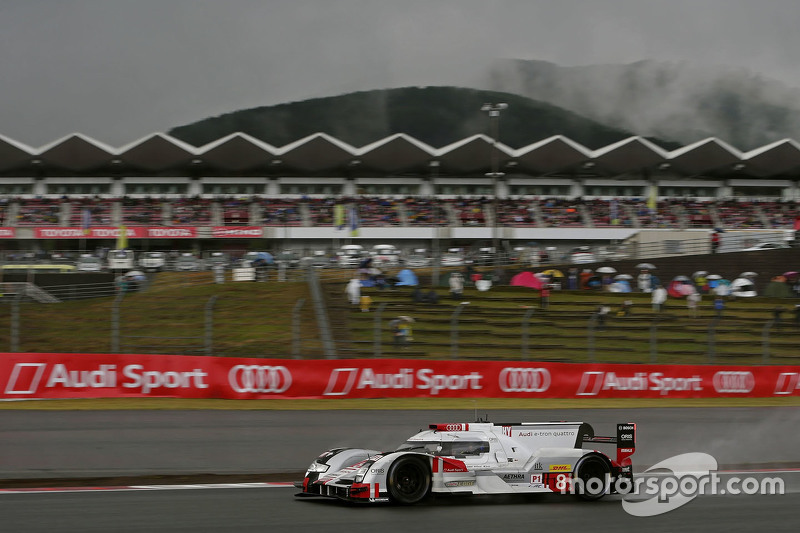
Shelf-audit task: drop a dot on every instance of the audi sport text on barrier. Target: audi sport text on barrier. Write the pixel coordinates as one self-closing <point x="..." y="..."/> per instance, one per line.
<point x="477" y="458"/>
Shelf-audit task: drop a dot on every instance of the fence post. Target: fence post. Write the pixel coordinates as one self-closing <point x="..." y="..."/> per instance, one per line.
<point x="526" y="322"/>
<point x="296" y="327"/>
<point x="15" y="322"/>
<point x="454" y="329"/>
<point x="654" y="339"/>
<point x="376" y="334"/>
<point x="712" y="327"/>
<point x="590" y="329"/>
<point x="765" y="333"/>
<point x="115" y="322"/>
<point x="209" y="338"/>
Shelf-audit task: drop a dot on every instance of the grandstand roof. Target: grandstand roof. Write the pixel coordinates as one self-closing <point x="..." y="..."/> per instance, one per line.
<point x="322" y="154"/>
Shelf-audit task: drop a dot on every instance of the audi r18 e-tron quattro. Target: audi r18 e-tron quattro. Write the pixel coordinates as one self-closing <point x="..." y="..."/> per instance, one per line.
<point x="477" y="458"/>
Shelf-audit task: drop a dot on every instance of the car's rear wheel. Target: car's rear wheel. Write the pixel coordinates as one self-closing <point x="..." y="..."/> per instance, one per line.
<point x="409" y="480"/>
<point x="593" y="475"/>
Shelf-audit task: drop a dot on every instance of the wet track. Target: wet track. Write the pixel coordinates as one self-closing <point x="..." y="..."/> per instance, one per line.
<point x="51" y="444"/>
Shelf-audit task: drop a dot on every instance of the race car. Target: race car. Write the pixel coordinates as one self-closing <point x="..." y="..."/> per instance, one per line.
<point x="477" y="458"/>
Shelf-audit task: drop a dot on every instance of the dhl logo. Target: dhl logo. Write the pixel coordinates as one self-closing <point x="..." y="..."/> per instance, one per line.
<point x="560" y="468"/>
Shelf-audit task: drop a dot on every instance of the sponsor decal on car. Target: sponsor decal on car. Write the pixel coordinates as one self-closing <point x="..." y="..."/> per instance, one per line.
<point x="560" y="468"/>
<point x="460" y="483"/>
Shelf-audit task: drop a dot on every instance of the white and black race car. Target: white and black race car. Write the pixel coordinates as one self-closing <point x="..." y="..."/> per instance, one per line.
<point x="477" y="458"/>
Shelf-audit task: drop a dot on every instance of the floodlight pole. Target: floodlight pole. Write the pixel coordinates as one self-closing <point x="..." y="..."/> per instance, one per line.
<point x="495" y="174"/>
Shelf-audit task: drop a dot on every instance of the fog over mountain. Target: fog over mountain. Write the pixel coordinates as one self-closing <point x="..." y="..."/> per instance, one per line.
<point x="670" y="100"/>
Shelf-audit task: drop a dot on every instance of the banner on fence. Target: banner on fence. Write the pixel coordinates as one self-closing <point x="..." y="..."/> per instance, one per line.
<point x="245" y="232"/>
<point x="107" y="375"/>
<point x="109" y="232"/>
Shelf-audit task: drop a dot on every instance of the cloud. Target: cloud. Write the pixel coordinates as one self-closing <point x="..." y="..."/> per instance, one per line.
<point x="121" y="70"/>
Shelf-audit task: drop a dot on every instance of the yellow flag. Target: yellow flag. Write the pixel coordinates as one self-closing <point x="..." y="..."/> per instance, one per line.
<point x="122" y="238"/>
<point x="653" y="200"/>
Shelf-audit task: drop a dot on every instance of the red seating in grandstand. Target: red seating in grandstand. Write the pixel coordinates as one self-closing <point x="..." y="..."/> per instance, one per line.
<point x="323" y="211"/>
<point x="377" y="212"/>
<point x="194" y="211"/>
<point x="280" y="212"/>
<point x="469" y="212"/>
<point x="608" y="213"/>
<point x="739" y="214"/>
<point x="236" y="212"/>
<point x="39" y="212"/>
<point x="141" y="212"/>
<point x="90" y="212"/>
<point x="425" y="212"/>
<point x="664" y="215"/>
<point x="516" y="213"/>
<point x="560" y="213"/>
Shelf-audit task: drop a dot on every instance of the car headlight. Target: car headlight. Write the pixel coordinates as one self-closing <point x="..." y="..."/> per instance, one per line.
<point x="360" y="473"/>
<point x="317" y="467"/>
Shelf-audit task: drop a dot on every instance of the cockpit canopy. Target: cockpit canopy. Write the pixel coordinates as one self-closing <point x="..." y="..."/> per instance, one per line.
<point x="460" y="448"/>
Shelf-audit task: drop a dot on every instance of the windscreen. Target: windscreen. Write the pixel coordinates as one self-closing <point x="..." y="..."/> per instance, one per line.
<point x="462" y="448"/>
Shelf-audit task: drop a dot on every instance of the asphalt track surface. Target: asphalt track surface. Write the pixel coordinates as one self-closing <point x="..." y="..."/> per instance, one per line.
<point x="38" y="445"/>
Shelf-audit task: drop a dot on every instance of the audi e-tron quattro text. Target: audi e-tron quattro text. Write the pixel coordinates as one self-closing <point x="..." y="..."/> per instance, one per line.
<point x="477" y="458"/>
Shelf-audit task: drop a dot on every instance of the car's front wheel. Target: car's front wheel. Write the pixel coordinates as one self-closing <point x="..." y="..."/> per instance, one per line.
<point x="409" y="480"/>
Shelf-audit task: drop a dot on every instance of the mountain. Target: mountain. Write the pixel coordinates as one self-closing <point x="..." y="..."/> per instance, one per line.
<point x="675" y="101"/>
<point x="437" y="116"/>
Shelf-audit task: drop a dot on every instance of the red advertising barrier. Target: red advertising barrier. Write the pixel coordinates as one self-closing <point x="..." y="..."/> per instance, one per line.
<point x="106" y="375"/>
<point x="8" y="233"/>
<point x="249" y="232"/>
<point x="110" y="232"/>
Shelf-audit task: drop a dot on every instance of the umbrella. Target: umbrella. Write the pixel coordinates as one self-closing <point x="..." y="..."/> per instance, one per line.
<point x="791" y="274"/>
<point x="624" y="277"/>
<point x="527" y="279"/>
<point x="743" y="287"/>
<point x="620" y="286"/>
<point x="606" y="270"/>
<point x="407" y="278"/>
<point x="679" y="289"/>
<point x="645" y="266"/>
<point x="553" y="273"/>
<point x="681" y="278"/>
<point x="713" y="277"/>
<point x="748" y="275"/>
<point x="700" y="274"/>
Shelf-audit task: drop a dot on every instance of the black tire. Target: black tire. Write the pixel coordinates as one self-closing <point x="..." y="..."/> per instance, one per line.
<point x="409" y="480"/>
<point x="592" y="467"/>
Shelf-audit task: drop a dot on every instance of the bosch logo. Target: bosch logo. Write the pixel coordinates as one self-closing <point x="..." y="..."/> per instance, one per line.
<point x="524" y="379"/>
<point x="734" y="382"/>
<point x="258" y="378"/>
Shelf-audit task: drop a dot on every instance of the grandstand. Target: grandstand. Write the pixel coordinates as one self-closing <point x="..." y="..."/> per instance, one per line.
<point x="553" y="190"/>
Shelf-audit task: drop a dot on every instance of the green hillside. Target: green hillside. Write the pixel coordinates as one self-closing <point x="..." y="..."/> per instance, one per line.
<point x="435" y="115"/>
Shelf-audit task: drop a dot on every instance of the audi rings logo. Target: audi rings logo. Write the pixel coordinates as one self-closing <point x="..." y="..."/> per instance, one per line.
<point x="734" y="382"/>
<point x="258" y="378"/>
<point x="453" y="427"/>
<point x="524" y="379"/>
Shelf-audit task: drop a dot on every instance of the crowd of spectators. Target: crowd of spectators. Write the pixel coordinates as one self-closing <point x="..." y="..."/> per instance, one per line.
<point x="552" y="212"/>
<point x="141" y="211"/>
<point x="561" y="213"/>
<point x="38" y="212"/>
<point x="90" y="212"/>
<point x="191" y="211"/>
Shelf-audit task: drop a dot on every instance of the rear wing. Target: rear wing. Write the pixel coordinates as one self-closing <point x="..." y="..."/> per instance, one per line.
<point x="625" y="441"/>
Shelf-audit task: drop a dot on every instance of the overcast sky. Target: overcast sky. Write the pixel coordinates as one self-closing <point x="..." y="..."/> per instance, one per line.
<point x="117" y="70"/>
